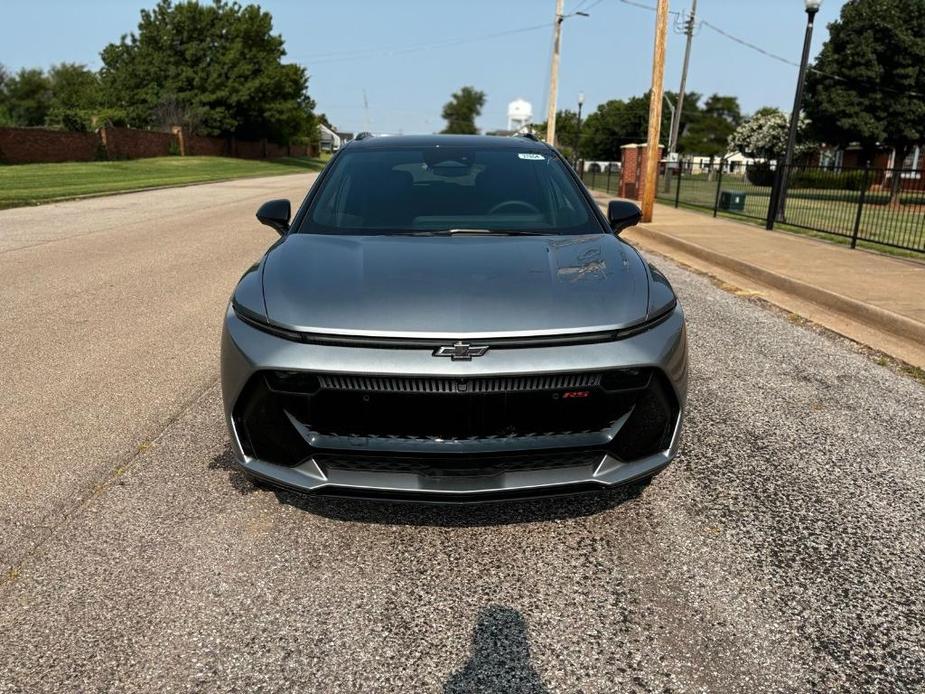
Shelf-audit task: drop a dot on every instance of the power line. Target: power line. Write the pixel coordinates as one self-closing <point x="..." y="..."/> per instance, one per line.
<point x="781" y="59"/>
<point x="643" y="6"/>
<point x="361" y="54"/>
<point x="786" y="61"/>
<point x="747" y="44"/>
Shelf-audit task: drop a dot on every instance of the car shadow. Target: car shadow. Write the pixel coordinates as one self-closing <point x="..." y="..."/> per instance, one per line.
<point x="423" y="513"/>
<point x="499" y="661"/>
<point x="236" y="478"/>
<point x="460" y="515"/>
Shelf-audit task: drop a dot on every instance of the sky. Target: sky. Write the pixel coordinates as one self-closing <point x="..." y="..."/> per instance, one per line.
<point x="409" y="56"/>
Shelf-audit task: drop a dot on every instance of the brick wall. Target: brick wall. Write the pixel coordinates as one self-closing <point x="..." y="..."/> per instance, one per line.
<point x="202" y="146"/>
<point x="33" y="145"/>
<point x="28" y="145"/>
<point x="247" y="149"/>
<point x="128" y="143"/>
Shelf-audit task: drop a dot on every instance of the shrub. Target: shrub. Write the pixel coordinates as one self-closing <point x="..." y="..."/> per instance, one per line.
<point x="821" y="179"/>
<point x="760" y="174"/>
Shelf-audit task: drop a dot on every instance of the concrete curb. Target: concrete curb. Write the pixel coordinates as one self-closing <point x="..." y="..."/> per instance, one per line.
<point x="898" y="325"/>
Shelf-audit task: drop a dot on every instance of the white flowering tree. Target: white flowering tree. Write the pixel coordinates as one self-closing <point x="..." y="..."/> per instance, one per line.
<point x="764" y="135"/>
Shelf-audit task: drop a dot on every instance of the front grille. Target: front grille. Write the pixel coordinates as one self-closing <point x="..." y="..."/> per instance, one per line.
<point x="468" y="466"/>
<point x="527" y="412"/>
<point x="424" y="384"/>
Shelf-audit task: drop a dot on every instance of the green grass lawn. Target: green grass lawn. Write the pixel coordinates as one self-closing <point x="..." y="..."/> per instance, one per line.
<point x="31" y="184"/>
<point x="816" y="213"/>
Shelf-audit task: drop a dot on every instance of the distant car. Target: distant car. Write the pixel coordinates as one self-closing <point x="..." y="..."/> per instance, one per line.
<point x="452" y="318"/>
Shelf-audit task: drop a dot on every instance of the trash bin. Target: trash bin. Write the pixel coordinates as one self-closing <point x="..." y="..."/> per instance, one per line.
<point x="732" y="201"/>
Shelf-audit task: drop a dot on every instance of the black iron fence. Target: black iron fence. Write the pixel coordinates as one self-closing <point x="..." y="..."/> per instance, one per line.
<point x="606" y="179"/>
<point x="860" y="204"/>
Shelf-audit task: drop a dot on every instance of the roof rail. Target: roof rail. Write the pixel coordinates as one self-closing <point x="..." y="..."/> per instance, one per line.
<point x="365" y="135"/>
<point x="528" y="136"/>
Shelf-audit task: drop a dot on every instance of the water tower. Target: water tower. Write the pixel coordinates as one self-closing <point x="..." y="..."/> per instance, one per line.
<point x="519" y="114"/>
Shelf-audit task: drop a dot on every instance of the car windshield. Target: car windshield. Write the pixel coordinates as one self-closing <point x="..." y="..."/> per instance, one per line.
<point x="434" y="189"/>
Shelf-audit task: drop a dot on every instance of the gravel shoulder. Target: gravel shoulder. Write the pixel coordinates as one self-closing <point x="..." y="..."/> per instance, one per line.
<point x="781" y="552"/>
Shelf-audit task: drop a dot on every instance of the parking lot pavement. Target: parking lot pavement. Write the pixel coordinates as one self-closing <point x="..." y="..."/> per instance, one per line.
<point x="782" y="551"/>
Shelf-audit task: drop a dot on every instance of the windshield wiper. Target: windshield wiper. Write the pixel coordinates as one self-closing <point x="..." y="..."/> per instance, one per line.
<point x="484" y="232"/>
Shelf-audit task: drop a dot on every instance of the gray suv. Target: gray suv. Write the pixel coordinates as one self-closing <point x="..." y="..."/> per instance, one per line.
<point x="452" y="318"/>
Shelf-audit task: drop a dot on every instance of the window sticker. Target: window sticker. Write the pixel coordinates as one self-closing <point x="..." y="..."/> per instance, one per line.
<point x="531" y="156"/>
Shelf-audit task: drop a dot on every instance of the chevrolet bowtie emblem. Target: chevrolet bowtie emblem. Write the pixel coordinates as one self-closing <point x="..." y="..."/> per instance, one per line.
<point x="461" y="351"/>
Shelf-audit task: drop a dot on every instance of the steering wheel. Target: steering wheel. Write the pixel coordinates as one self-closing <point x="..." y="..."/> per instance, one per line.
<point x="514" y="203"/>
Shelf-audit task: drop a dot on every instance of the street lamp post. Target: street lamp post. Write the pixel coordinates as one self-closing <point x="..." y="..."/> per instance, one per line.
<point x="780" y="198"/>
<point x="581" y="101"/>
<point x="554" y="70"/>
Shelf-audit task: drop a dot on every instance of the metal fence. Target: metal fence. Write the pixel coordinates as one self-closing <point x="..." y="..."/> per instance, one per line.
<point x="854" y="203"/>
<point x="607" y="181"/>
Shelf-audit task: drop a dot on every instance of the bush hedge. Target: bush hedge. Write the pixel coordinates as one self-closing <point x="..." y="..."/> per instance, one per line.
<point x="762" y="175"/>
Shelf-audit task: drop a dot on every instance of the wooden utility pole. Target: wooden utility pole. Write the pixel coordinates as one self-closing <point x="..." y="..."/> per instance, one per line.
<point x="655" y="110"/>
<point x="554" y="76"/>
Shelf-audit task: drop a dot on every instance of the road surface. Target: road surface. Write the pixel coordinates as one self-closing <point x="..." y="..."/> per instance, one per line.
<point x="782" y="551"/>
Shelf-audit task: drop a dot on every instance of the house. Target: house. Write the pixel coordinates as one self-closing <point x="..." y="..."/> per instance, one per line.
<point x="732" y="162"/>
<point x="330" y="140"/>
<point x="881" y="163"/>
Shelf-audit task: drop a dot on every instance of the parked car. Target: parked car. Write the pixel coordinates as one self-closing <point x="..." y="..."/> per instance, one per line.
<point x="452" y="318"/>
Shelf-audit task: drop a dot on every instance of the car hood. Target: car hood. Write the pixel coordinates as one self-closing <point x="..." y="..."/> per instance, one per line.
<point x="460" y="286"/>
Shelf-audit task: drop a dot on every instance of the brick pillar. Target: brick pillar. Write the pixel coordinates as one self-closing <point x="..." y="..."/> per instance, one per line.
<point x="633" y="179"/>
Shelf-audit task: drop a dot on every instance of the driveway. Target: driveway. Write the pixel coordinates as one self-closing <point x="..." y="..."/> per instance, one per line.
<point x="782" y="551"/>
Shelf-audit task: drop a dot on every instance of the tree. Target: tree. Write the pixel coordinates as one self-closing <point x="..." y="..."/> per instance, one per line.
<point x="710" y="128"/>
<point x="4" y="110"/>
<point x="75" y="96"/>
<point x="566" y="130"/>
<point x="617" y="122"/>
<point x="867" y="85"/>
<point x="765" y="134"/>
<point x="461" y="111"/>
<point x="218" y="68"/>
<point x="28" y="97"/>
<point x="613" y="124"/>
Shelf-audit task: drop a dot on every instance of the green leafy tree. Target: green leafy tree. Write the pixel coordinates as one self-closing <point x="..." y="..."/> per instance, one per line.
<point x="616" y="123"/>
<point x="217" y="68"/>
<point x="28" y="97"/>
<point x="75" y="96"/>
<point x="4" y="111"/>
<point x="868" y="82"/>
<point x="710" y="128"/>
<point x="461" y="111"/>
<point x="566" y="131"/>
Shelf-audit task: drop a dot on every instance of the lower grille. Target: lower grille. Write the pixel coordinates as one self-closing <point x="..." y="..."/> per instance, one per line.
<point x="469" y="466"/>
<point x="347" y="411"/>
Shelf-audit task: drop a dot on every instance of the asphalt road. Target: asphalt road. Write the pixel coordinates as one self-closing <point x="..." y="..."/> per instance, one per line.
<point x="782" y="551"/>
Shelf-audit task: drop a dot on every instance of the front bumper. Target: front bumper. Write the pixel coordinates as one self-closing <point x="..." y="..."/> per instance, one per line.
<point x="472" y="469"/>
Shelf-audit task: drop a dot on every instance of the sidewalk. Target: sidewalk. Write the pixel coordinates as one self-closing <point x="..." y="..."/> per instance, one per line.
<point x="875" y="299"/>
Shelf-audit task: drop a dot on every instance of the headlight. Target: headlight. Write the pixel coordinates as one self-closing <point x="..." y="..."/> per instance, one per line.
<point x="262" y="324"/>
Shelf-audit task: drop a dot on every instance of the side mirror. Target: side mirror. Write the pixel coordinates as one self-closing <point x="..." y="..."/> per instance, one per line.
<point x="275" y="214"/>
<point x="622" y="214"/>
